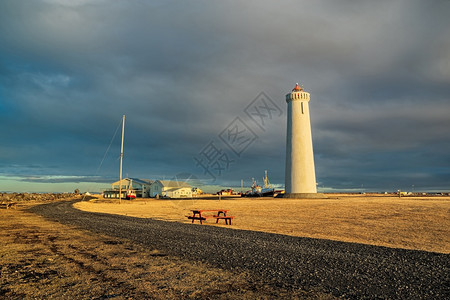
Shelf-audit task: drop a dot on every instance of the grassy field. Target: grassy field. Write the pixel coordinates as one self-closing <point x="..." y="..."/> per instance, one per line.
<point x="421" y="223"/>
<point x="40" y="259"/>
<point x="44" y="259"/>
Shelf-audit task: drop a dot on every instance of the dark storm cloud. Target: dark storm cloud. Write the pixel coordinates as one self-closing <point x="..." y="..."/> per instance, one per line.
<point x="378" y="73"/>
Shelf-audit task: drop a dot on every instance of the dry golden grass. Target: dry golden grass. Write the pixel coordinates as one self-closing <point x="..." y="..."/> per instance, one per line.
<point x="421" y="223"/>
<point x="40" y="259"/>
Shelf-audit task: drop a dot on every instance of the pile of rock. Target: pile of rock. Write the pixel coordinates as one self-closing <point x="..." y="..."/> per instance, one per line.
<point x="35" y="197"/>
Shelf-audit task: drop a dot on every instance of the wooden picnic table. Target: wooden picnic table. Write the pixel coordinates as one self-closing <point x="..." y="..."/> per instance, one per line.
<point x="8" y="205"/>
<point x="220" y="214"/>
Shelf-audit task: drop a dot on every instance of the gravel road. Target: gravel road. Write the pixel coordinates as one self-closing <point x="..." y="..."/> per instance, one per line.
<point x="347" y="270"/>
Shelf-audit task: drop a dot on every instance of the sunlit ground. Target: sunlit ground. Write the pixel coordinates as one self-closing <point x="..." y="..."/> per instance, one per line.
<point x="409" y="222"/>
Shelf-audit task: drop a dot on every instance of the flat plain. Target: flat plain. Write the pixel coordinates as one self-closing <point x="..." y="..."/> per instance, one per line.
<point x="418" y="223"/>
<point x="41" y="258"/>
<point x="44" y="259"/>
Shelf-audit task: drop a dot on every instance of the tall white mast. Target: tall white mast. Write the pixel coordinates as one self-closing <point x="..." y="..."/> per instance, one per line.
<point x="121" y="158"/>
<point x="266" y="180"/>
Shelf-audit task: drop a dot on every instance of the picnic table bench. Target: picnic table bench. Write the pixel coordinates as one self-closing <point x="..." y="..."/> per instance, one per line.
<point x="220" y="214"/>
<point x="8" y="205"/>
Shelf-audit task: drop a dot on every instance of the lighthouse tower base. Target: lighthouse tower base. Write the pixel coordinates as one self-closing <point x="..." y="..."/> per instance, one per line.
<point x="304" y="196"/>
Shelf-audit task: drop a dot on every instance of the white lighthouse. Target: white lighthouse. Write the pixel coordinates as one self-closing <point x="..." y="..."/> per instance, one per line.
<point x="300" y="180"/>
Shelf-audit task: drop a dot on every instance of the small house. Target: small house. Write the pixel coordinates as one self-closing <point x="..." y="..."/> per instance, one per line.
<point x="171" y="189"/>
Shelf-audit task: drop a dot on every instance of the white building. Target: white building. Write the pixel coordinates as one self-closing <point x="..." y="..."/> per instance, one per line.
<point x="140" y="186"/>
<point x="171" y="189"/>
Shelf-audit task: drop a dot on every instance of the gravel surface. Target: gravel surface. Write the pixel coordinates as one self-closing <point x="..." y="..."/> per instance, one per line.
<point x="347" y="270"/>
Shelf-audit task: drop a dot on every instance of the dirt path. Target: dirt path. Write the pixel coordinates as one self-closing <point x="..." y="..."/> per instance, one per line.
<point x="418" y="223"/>
<point x="342" y="269"/>
<point x="41" y="259"/>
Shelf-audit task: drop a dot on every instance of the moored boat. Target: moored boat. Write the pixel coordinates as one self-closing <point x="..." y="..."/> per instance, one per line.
<point x="258" y="191"/>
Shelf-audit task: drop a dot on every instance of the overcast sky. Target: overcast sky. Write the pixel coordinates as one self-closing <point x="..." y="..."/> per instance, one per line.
<point x="187" y="73"/>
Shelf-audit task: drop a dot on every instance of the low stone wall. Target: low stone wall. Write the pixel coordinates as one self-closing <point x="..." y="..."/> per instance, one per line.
<point x="304" y="196"/>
